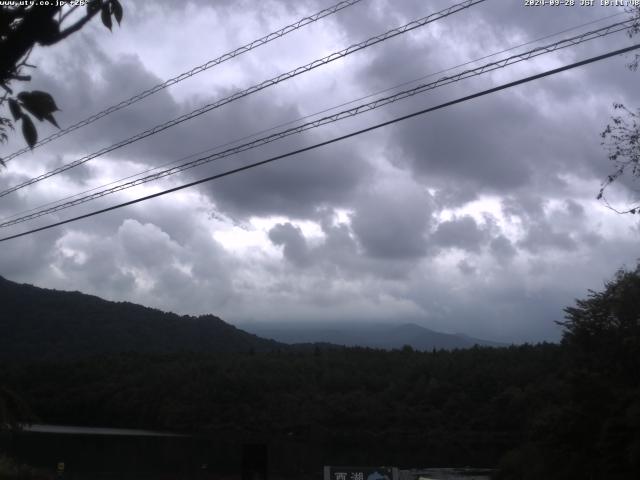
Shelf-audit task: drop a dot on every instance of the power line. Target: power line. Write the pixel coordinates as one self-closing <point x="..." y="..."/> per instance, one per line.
<point x="333" y="140"/>
<point x="290" y="122"/>
<point x="572" y="41"/>
<point x="255" y="88"/>
<point x="194" y="71"/>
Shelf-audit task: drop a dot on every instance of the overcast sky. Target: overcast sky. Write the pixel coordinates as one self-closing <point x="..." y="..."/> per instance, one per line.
<point x="480" y="218"/>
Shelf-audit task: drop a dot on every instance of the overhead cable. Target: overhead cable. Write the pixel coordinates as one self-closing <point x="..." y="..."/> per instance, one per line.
<point x="489" y="67"/>
<point x="255" y="88"/>
<point x="333" y="140"/>
<point x="311" y="115"/>
<point x="194" y="71"/>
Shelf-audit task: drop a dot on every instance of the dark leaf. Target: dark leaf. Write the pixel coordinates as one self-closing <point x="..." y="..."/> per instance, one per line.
<point x="22" y="78"/>
<point x="48" y="117"/>
<point x="39" y="104"/>
<point x="93" y="6"/>
<point x="5" y="122"/>
<point x="29" y="131"/>
<point x="2" y="163"/>
<point x="14" y="108"/>
<point x="106" y="16"/>
<point x="117" y="10"/>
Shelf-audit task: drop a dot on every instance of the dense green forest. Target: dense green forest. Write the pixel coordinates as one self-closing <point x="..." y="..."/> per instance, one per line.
<point x="461" y="407"/>
<point x="535" y="411"/>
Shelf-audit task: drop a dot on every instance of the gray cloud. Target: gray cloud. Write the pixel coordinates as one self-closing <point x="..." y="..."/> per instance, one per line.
<point x="543" y="236"/>
<point x="500" y="268"/>
<point x="459" y="145"/>
<point x="462" y="233"/>
<point x="466" y="268"/>
<point x="297" y="187"/>
<point x="294" y="186"/>
<point x="141" y="262"/>
<point x="29" y="258"/>
<point x="502" y="249"/>
<point x="393" y="224"/>
<point x="294" y="244"/>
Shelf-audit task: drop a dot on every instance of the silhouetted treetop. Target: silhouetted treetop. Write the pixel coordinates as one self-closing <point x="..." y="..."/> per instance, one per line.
<point x="22" y="27"/>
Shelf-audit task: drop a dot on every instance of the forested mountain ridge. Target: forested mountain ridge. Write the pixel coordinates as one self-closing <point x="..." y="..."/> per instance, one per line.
<point x="37" y="323"/>
<point x="552" y="411"/>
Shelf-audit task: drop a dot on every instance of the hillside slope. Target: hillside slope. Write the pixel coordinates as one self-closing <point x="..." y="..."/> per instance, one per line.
<point x="38" y="323"/>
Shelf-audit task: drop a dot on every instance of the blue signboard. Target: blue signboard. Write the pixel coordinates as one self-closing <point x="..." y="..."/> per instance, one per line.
<point x="360" y="473"/>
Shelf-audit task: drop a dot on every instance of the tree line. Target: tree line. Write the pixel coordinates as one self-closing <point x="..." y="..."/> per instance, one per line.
<point x="569" y="410"/>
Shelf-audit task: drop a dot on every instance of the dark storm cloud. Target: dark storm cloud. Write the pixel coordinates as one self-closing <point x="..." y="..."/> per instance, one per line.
<point x="471" y="148"/>
<point x="502" y="249"/>
<point x="561" y="228"/>
<point x="296" y="187"/>
<point x="173" y="6"/>
<point x="515" y="17"/>
<point x="502" y="305"/>
<point x="343" y="255"/>
<point x="339" y="246"/>
<point x="81" y="92"/>
<point x="542" y="236"/>
<point x="393" y="224"/>
<point x="339" y="256"/>
<point x="517" y="138"/>
<point x="294" y="244"/>
<point x="93" y="261"/>
<point x="574" y="209"/>
<point x="390" y="255"/>
<point x="14" y="202"/>
<point x="141" y="262"/>
<point x="429" y="147"/>
<point x="28" y="257"/>
<point x="527" y="205"/>
<point x="462" y="233"/>
<point x="466" y="268"/>
<point x="503" y="21"/>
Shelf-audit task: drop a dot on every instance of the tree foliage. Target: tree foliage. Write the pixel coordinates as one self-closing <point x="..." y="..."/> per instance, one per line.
<point x="545" y="411"/>
<point x="24" y="26"/>
<point x="591" y="429"/>
<point x="606" y="325"/>
<point x="446" y="407"/>
<point x="621" y="137"/>
<point x="13" y="410"/>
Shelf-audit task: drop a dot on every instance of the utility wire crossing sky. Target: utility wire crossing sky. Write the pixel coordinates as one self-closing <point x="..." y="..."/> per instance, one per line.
<point x="343" y="137"/>
<point x="576" y="40"/>
<point x="194" y="71"/>
<point x="40" y="209"/>
<point x="253" y="89"/>
<point x="480" y="218"/>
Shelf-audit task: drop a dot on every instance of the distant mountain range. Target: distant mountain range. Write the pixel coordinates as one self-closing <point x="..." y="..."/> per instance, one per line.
<point x="39" y="323"/>
<point x="386" y="336"/>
